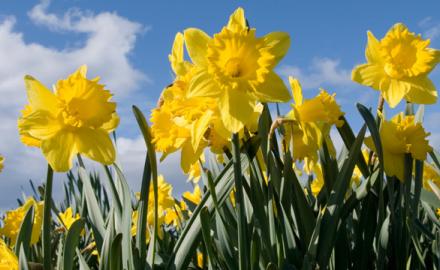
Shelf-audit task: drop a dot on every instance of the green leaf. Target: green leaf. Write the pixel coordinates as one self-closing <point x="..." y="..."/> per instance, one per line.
<point x="125" y="222"/>
<point x="72" y="240"/>
<point x="239" y="206"/>
<point x="107" y="241"/>
<point x="331" y="216"/>
<point x="82" y="262"/>
<point x="93" y="209"/>
<point x="116" y="253"/>
<point x="304" y="215"/>
<point x="143" y="125"/>
<point x="205" y="219"/>
<point x="22" y="261"/>
<point x="25" y="233"/>
<point x="348" y="138"/>
<point x="191" y="234"/>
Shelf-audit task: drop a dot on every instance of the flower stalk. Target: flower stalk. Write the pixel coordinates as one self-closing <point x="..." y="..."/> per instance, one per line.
<point x="239" y="204"/>
<point x="47" y="253"/>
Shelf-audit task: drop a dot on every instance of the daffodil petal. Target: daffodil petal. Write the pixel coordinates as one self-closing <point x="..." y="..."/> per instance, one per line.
<point x="277" y="43"/>
<point x="59" y="150"/>
<point x="394" y="164"/>
<point x="197" y="45"/>
<point x="96" y="144"/>
<point x="369" y="143"/>
<point x="369" y="75"/>
<point x="237" y="20"/>
<point x="111" y="125"/>
<point x="373" y="48"/>
<point x="422" y="91"/>
<point x="39" y="125"/>
<point x="272" y="89"/>
<point x="40" y="98"/>
<point x="28" y="140"/>
<point x="236" y="108"/>
<point x="395" y="92"/>
<point x="199" y="128"/>
<point x="203" y="85"/>
<point x="176" y="56"/>
<point x="296" y="90"/>
<point x="189" y="156"/>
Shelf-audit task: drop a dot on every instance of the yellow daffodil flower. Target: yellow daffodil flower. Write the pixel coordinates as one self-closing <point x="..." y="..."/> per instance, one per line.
<point x="76" y="118"/>
<point x="182" y="122"/>
<point x="14" y="218"/>
<point x="67" y="217"/>
<point x="2" y="159"/>
<point x="236" y="68"/>
<point x="8" y="260"/>
<point x="195" y="197"/>
<point x="400" y="136"/>
<point x="195" y="171"/>
<point x="165" y="203"/>
<point x="317" y="183"/>
<point x="398" y="66"/>
<point x="357" y="174"/>
<point x="199" y="259"/>
<point x="430" y="173"/>
<point x="309" y="124"/>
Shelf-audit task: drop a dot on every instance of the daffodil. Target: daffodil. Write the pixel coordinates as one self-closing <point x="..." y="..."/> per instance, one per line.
<point x="195" y="197"/>
<point x="195" y="171"/>
<point x="76" y="118"/>
<point x="430" y="173"/>
<point x="308" y="124"/>
<point x="398" y="66"/>
<point x="400" y="136"/>
<point x="2" y="159"/>
<point x="68" y="218"/>
<point x="8" y="260"/>
<point x="357" y="174"/>
<point x="165" y="204"/>
<point x="317" y="183"/>
<point x="236" y="67"/>
<point x="180" y="122"/>
<point x="199" y="259"/>
<point x="14" y="218"/>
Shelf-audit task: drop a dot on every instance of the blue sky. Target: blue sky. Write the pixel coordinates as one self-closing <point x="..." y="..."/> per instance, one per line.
<point x="127" y="43"/>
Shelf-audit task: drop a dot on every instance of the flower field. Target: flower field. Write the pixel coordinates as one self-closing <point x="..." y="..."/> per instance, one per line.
<point x="271" y="189"/>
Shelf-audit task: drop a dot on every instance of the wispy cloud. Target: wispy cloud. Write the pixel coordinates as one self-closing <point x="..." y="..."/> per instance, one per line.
<point x="108" y="41"/>
<point x="431" y="28"/>
<point x="322" y="71"/>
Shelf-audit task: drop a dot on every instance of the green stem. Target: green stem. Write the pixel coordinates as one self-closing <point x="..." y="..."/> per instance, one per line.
<point x="239" y="203"/>
<point x="47" y="254"/>
<point x="141" y="243"/>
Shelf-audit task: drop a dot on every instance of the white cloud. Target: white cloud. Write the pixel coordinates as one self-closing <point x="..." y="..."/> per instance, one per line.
<point x="432" y="28"/>
<point x="108" y="39"/>
<point x="322" y="71"/>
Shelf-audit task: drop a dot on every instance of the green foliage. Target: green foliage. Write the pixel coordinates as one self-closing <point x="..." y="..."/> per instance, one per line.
<point x="381" y="223"/>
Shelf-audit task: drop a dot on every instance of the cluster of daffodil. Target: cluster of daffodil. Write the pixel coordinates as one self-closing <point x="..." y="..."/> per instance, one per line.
<point x="220" y="91"/>
<point x="171" y="212"/>
<point x="398" y="66"/>
<point x="219" y="94"/>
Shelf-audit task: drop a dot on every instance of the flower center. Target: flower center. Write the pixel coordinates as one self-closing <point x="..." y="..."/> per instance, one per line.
<point x="72" y="113"/>
<point x="402" y="58"/>
<point x="232" y="67"/>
